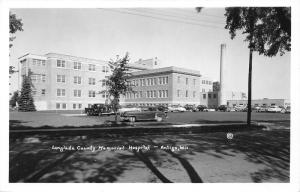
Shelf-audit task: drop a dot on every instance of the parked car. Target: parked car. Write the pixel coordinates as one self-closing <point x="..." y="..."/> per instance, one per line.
<point x="146" y="113"/>
<point x="274" y="109"/>
<point x="128" y="108"/>
<point x="162" y="108"/>
<point x="222" y="108"/>
<point x="239" y="108"/>
<point x="286" y="109"/>
<point x="98" y="109"/>
<point x="176" y="108"/>
<point x="202" y="108"/>
<point x="191" y="108"/>
<point x="262" y="109"/>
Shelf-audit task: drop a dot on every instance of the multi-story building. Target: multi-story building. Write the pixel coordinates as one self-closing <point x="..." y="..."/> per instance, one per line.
<point x="164" y="86"/>
<point x="64" y="82"/>
<point x="260" y="102"/>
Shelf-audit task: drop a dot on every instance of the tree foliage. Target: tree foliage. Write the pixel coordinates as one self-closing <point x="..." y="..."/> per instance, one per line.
<point x="26" y="102"/>
<point x="14" y="99"/>
<point x="15" y="25"/>
<point x="117" y="83"/>
<point x="267" y="29"/>
<point x="216" y="86"/>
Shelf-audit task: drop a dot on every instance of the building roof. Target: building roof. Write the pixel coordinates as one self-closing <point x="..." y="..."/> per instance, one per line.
<point x="165" y="70"/>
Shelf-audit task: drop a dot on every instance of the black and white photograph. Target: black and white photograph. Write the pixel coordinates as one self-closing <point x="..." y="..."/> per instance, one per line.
<point x="150" y="94"/>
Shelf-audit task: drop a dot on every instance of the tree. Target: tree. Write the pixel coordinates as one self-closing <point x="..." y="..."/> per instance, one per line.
<point x="15" y="25"/>
<point x="117" y="83"/>
<point x="216" y="86"/>
<point x="267" y="29"/>
<point x="14" y="99"/>
<point x="26" y="102"/>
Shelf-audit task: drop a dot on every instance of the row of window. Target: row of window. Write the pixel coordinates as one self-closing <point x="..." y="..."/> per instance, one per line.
<point x="179" y="93"/>
<point x="210" y="95"/>
<point x="38" y="62"/>
<point x="64" y="106"/>
<point x="203" y="90"/>
<point x="147" y="94"/>
<point x="78" y="66"/>
<point x="38" y="78"/>
<point x="76" y="80"/>
<point x="186" y="80"/>
<point x="206" y="82"/>
<point x="150" y="81"/>
<point x="43" y="92"/>
<point x="76" y="93"/>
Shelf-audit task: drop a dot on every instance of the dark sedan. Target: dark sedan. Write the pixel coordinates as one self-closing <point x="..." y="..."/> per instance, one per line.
<point x="145" y="114"/>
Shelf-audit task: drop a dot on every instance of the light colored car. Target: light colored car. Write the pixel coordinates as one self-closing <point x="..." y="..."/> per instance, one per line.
<point x="239" y="108"/>
<point x="126" y="109"/>
<point x="176" y="108"/>
<point x="286" y="110"/>
<point x="262" y="109"/>
<point x="274" y="109"/>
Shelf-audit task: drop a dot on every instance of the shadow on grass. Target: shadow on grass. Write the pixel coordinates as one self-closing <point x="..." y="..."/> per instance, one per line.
<point x="37" y="163"/>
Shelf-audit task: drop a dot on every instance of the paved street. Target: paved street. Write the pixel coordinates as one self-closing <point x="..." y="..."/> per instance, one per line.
<point x="249" y="156"/>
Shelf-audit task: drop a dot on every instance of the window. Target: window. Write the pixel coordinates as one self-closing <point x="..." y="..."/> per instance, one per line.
<point x="92" y="67"/>
<point x="215" y="96"/>
<point x="43" y="62"/>
<point x="141" y="82"/>
<point x="105" y="69"/>
<point x="43" y="77"/>
<point x="74" y="105"/>
<point x="92" y="81"/>
<point x="141" y="94"/>
<point x="155" y="81"/>
<point x="160" y="95"/>
<point x="77" y="93"/>
<point x="61" y="92"/>
<point x="148" y="82"/>
<point x="160" y="80"/>
<point x="154" y="94"/>
<point x="167" y="80"/>
<point x="57" y="105"/>
<point x="167" y="94"/>
<point x="144" y="82"/>
<point x="103" y="82"/>
<point x="178" y="79"/>
<point x="178" y="93"/>
<point x="151" y="94"/>
<point x="77" y="65"/>
<point x="61" y="79"/>
<point x="148" y="94"/>
<point x="186" y="93"/>
<point x="186" y="81"/>
<point x="194" y="82"/>
<point x="61" y="63"/>
<point x="33" y="78"/>
<point x="163" y="80"/>
<point x="43" y="91"/>
<point x="79" y="106"/>
<point x="64" y="105"/>
<point x="204" y="96"/>
<point x="92" y="94"/>
<point x="209" y="96"/>
<point x="203" y="90"/>
<point x="77" y="80"/>
<point x="194" y="94"/>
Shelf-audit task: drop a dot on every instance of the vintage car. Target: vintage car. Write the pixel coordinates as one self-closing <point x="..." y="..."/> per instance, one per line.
<point x="286" y="109"/>
<point x="128" y="108"/>
<point x="144" y="114"/>
<point x="191" y="108"/>
<point x="274" y="109"/>
<point x="202" y="108"/>
<point x="99" y="109"/>
<point x="176" y="108"/>
<point x="262" y="109"/>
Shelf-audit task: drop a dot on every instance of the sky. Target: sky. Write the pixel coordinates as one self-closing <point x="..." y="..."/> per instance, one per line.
<point x="177" y="37"/>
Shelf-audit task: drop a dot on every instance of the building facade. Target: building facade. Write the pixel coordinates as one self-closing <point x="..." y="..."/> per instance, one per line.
<point x="164" y="86"/>
<point x="64" y="82"/>
<point x="260" y="102"/>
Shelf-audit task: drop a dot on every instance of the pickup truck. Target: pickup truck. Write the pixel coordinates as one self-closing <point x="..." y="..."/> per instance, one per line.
<point x="98" y="110"/>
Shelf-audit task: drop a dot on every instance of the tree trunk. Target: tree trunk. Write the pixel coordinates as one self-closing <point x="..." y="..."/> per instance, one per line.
<point x="249" y="89"/>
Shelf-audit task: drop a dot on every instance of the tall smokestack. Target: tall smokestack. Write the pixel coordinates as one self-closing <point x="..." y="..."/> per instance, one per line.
<point x="222" y="98"/>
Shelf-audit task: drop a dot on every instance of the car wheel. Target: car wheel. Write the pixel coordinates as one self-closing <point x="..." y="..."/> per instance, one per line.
<point x="159" y="119"/>
<point x="132" y="119"/>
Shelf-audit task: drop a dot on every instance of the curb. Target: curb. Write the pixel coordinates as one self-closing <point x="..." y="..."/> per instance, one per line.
<point x="140" y="129"/>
